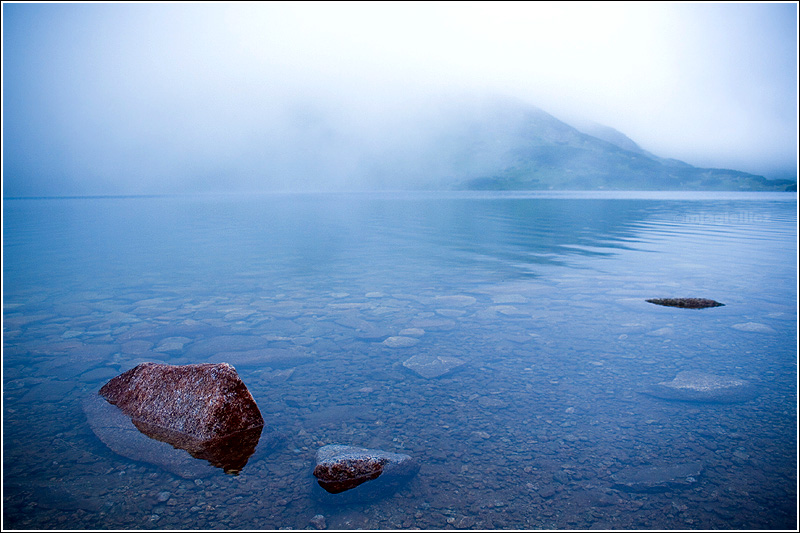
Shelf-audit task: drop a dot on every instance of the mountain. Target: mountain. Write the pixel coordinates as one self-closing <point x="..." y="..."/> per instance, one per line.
<point x="617" y="138"/>
<point x="506" y="145"/>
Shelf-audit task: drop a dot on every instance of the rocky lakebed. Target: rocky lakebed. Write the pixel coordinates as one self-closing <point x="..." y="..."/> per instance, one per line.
<point x="385" y="410"/>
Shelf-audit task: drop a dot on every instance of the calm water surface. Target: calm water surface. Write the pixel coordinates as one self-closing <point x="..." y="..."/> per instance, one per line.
<point x="542" y="296"/>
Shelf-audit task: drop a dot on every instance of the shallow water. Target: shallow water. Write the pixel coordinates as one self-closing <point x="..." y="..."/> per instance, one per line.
<point x="541" y="295"/>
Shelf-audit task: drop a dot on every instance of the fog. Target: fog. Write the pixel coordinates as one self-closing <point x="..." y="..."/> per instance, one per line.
<point x="163" y="98"/>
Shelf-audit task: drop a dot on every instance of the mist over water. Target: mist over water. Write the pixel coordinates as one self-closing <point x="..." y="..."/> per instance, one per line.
<point x="160" y="98"/>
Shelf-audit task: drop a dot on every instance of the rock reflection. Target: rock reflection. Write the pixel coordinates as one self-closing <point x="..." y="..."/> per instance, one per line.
<point x="141" y="441"/>
<point x="230" y="453"/>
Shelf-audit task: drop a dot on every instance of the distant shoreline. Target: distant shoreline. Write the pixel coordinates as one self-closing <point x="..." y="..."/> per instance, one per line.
<point x="452" y="193"/>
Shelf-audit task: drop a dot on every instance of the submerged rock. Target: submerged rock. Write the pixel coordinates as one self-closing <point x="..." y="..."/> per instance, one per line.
<point x="172" y="344"/>
<point x="657" y="478"/>
<point x="204" y="409"/>
<point x="347" y="474"/>
<point x="753" y="327"/>
<point x="686" y="303"/>
<point x="700" y="387"/>
<point x="430" y="366"/>
<point x="434" y="324"/>
<point x="265" y="357"/>
<point x="318" y="520"/>
<point x="456" y="300"/>
<point x="400" y="342"/>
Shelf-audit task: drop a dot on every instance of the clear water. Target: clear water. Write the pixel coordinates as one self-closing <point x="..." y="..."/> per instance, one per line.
<point x="541" y="295"/>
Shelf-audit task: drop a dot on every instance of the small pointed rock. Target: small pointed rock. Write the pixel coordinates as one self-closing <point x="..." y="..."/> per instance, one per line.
<point x="350" y="474"/>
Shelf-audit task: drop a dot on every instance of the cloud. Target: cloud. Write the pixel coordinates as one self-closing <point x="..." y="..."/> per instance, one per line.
<point x="137" y="98"/>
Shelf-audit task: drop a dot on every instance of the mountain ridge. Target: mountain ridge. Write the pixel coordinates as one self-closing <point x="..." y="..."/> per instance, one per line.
<point x="542" y="152"/>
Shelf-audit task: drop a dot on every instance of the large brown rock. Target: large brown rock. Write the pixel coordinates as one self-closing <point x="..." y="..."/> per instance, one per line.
<point x="206" y="401"/>
<point x="204" y="409"/>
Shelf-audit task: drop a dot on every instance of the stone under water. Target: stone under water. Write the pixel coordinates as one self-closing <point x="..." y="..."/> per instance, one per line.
<point x="693" y="386"/>
<point x="400" y="342"/>
<point x="350" y="474"/>
<point x="658" y="478"/>
<point x="753" y="327"/>
<point x="264" y="357"/>
<point x="204" y="409"/>
<point x="685" y="303"/>
<point x="432" y="366"/>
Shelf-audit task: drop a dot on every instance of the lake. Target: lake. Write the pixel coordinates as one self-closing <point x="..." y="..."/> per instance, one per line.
<point x="540" y="297"/>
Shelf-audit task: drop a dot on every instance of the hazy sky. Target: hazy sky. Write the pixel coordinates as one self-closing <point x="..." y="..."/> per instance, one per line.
<point x="152" y="98"/>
